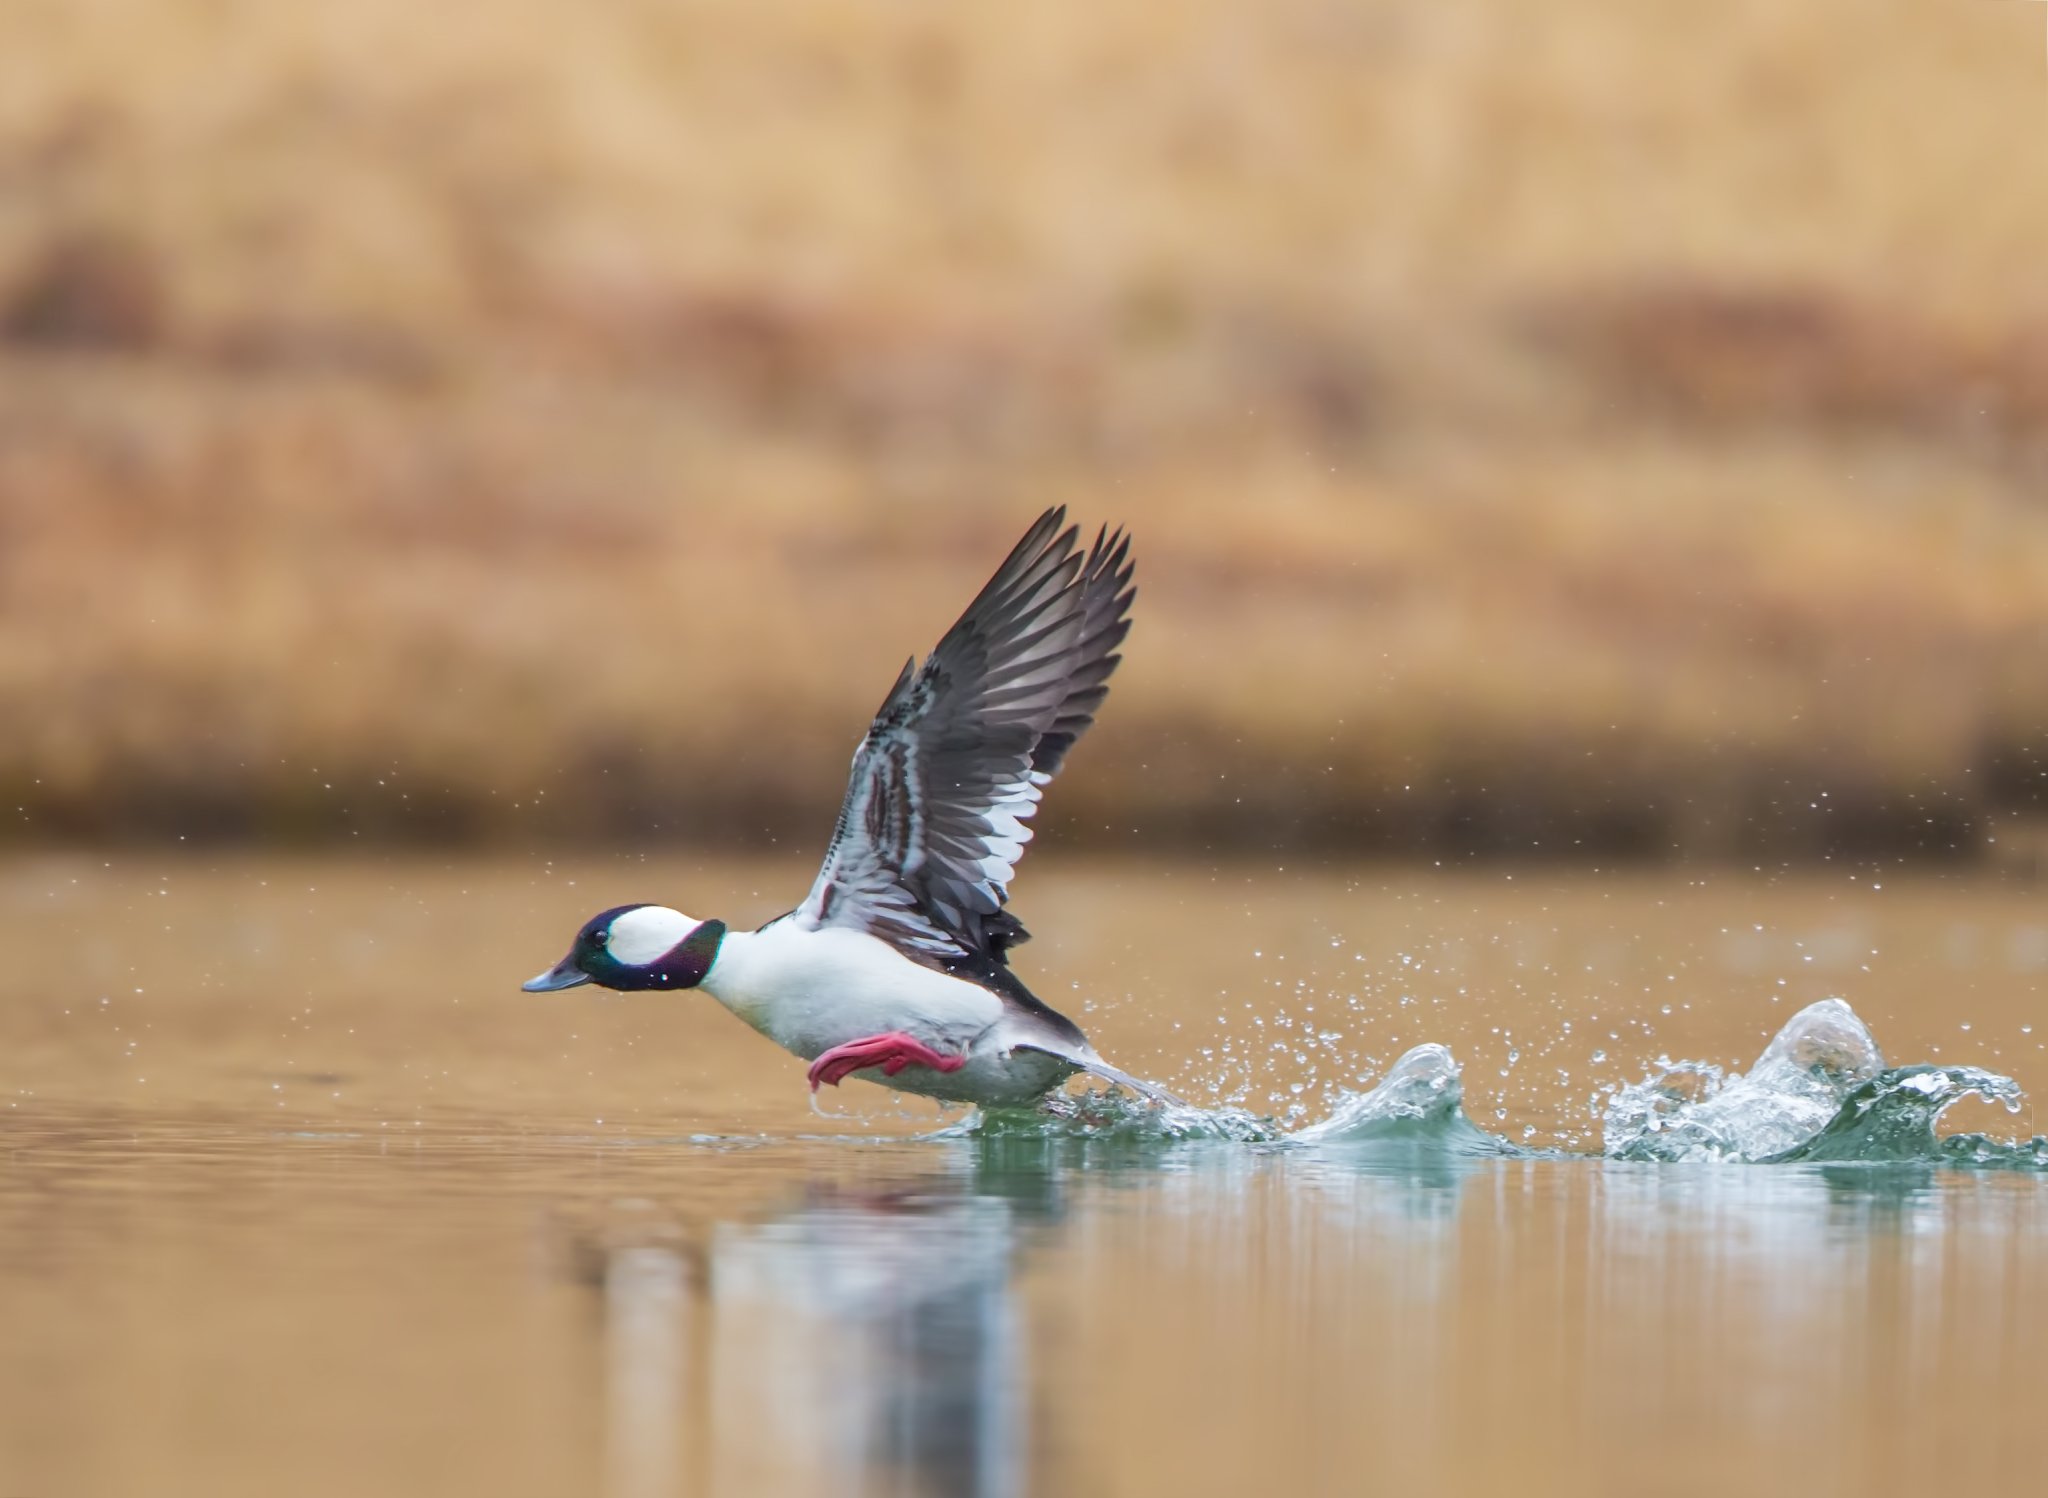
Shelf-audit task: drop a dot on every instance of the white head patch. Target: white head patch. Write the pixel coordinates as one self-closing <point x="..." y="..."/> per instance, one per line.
<point x="640" y="936"/>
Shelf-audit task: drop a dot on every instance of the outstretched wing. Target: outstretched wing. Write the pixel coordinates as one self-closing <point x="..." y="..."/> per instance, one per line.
<point x="935" y="817"/>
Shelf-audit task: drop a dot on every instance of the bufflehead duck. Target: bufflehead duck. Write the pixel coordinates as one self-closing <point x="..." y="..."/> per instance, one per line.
<point x="895" y="968"/>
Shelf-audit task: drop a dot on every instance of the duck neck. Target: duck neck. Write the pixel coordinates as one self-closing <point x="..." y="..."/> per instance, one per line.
<point x="740" y="980"/>
<point x="724" y="962"/>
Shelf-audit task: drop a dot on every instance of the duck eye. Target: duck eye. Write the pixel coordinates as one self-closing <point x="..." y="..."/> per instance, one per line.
<point x="600" y="937"/>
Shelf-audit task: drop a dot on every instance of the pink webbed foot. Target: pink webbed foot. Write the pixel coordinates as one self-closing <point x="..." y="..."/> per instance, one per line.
<point x="891" y="1051"/>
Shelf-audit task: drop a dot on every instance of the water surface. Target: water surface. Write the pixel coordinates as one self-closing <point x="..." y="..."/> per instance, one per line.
<point x="298" y="1193"/>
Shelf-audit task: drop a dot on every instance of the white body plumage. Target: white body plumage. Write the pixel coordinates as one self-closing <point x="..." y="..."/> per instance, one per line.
<point x="811" y="990"/>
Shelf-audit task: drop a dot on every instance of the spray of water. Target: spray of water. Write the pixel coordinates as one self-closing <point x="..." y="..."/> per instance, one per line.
<point x="1820" y="1092"/>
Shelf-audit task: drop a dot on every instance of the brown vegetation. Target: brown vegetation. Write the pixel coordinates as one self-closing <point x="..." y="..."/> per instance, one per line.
<point x="1560" y="432"/>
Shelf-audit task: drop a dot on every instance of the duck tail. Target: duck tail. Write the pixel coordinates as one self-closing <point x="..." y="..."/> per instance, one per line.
<point x="1085" y="1058"/>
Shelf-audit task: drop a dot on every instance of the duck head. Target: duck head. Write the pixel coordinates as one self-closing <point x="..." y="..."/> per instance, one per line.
<point x="633" y="947"/>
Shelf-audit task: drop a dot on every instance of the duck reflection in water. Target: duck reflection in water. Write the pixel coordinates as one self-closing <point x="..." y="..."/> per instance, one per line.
<point x="867" y="1342"/>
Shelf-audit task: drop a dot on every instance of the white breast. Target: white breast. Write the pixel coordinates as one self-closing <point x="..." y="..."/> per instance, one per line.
<point x="810" y="990"/>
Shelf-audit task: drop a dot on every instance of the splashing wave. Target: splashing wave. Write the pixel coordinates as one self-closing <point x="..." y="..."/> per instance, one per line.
<point x="1420" y="1102"/>
<point x="1820" y="1092"/>
<point x="1689" y="1111"/>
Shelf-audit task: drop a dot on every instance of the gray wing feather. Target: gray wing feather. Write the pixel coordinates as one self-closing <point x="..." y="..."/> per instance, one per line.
<point x="943" y="786"/>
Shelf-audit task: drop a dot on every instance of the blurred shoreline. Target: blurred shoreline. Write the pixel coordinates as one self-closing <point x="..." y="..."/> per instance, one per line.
<point x="1568" y="439"/>
<point x="307" y="611"/>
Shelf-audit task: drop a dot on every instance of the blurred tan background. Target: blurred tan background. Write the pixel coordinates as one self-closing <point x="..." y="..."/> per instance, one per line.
<point x="1583" y="429"/>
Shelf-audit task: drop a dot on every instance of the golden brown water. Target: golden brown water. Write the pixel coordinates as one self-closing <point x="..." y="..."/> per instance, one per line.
<point x="299" y="1194"/>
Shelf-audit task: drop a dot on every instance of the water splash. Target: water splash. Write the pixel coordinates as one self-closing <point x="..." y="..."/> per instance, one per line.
<point x="1819" y="1093"/>
<point x="1982" y="1152"/>
<point x="1689" y="1111"/>
<point x="1419" y="1102"/>
<point x="1891" y="1117"/>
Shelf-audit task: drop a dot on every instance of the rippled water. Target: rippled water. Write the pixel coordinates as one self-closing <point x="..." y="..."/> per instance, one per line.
<point x="298" y="1194"/>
